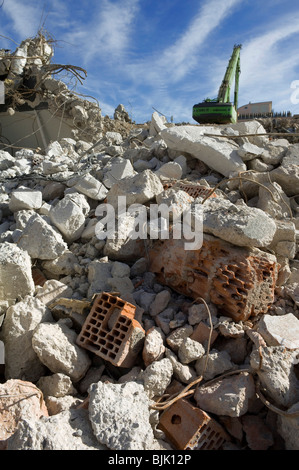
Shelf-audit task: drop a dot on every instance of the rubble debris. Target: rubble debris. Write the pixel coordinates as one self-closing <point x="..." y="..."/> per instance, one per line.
<point x="20" y="400"/>
<point x="15" y="273"/>
<point x="130" y="343"/>
<point x="21" y="320"/>
<point x="68" y="430"/>
<point x="111" y="332"/>
<point x="55" y="346"/>
<point x="119" y="415"/>
<point x="219" y="154"/>
<point x="190" y="428"/>
<point x="238" y="280"/>
<point x="229" y="396"/>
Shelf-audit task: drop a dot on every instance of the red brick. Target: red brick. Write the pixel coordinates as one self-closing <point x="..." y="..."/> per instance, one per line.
<point x="190" y="428"/>
<point x="110" y="329"/>
<point x="240" y="281"/>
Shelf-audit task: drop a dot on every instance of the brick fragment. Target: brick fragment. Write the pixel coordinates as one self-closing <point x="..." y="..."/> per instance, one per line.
<point x="240" y="281"/>
<point x="111" y="332"/>
<point x="189" y="428"/>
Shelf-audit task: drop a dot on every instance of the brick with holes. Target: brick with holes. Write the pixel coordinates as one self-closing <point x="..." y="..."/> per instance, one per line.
<point x="189" y="428"/>
<point x="239" y="281"/>
<point x="111" y="332"/>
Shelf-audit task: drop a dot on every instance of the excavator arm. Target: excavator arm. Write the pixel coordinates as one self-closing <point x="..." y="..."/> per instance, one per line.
<point x="221" y="110"/>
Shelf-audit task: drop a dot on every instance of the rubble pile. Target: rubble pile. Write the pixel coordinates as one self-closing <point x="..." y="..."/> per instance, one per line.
<point x="127" y="343"/>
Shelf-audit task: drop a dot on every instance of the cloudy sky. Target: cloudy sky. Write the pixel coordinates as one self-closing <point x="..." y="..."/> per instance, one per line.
<point x="166" y="54"/>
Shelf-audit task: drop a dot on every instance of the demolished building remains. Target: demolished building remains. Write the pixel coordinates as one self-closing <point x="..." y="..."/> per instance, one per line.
<point x="127" y="343"/>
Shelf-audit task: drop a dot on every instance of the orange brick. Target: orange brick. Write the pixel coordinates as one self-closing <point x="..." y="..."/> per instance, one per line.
<point x="240" y="281"/>
<point x="111" y="332"/>
<point x="196" y="190"/>
<point x="189" y="428"/>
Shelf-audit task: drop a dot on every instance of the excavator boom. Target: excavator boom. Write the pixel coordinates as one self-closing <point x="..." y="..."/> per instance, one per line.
<point x="221" y="110"/>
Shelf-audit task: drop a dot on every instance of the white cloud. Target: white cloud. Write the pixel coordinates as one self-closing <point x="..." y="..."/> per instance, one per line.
<point x="268" y="66"/>
<point x="107" y="33"/>
<point x="181" y="57"/>
<point x="25" y="17"/>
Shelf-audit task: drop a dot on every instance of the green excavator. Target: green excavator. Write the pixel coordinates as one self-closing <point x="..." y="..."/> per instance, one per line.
<point x="220" y="110"/>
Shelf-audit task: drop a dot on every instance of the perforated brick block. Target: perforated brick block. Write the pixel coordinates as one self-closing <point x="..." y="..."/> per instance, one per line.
<point x="240" y="281"/>
<point x="189" y="428"/>
<point x="111" y="332"/>
<point x="195" y="190"/>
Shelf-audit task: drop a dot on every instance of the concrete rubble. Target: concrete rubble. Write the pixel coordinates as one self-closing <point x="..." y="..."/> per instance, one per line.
<point x="137" y="343"/>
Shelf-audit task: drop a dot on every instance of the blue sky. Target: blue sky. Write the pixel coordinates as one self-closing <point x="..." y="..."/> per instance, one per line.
<point x="166" y="54"/>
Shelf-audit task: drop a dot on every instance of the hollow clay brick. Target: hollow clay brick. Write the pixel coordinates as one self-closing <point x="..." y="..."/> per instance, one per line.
<point x="111" y="332"/>
<point x="189" y="428"/>
<point x="240" y="281"/>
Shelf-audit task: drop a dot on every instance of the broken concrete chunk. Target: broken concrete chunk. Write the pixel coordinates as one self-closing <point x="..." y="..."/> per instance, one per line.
<point x="288" y="427"/>
<point x="60" y="404"/>
<point x="238" y="224"/>
<point x="98" y="273"/>
<point x="62" y="265"/>
<point x="93" y="375"/>
<point x="23" y="400"/>
<point x="41" y="240"/>
<point x="280" y="330"/>
<point x="287" y="175"/>
<point x="120" y="269"/>
<point x="230" y="329"/>
<point x="197" y="313"/>
<point x="119" y="415"/>
<point x="139" y="267"/>
<point x="68" y="430"/>
<point x="69" y="219"/>
<point x="15" y="264"/>
<point x="90" y="186"/>
<point x="190" y="351"/>
<point x="229" y="396"/>
<point x="56" y="385"/>
<point x="274" y="201"/>
<point x="259" y="165"/>
<point x="284" y="241"/>
<point x="218" y="153"/>
<point x="153" y="348"/>
<point x="253" y="128"/>
<point x="176" y="338"/>
<point x="248" y="151"/>
<point x="6" y="160"/>
<point x="20" y="321"/>
<point x="178" y="200"/>
<point x="25" y="198"/>
<point x="122" y="285"/>
<point x="117" y="169"/>
<point x="52" y="290"/>
<point x="160" y="303"/>
<point x="156" y="377"/>
<point x="139" y="189"/>
<point x="170" y="170"/>
<point x="218" y="362"/>
<point x="276" y="373"/>
<point x="157" y="124"/>
<point x="55" y="345"/>
<point x="182" y="372"/>
<point x="123" y="245"/>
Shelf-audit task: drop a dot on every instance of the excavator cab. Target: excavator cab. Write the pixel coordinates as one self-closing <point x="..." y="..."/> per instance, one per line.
<point x="221" y="110"/>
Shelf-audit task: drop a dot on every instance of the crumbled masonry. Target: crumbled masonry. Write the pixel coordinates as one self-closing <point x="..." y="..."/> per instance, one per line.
<point x="137" y="343"/>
